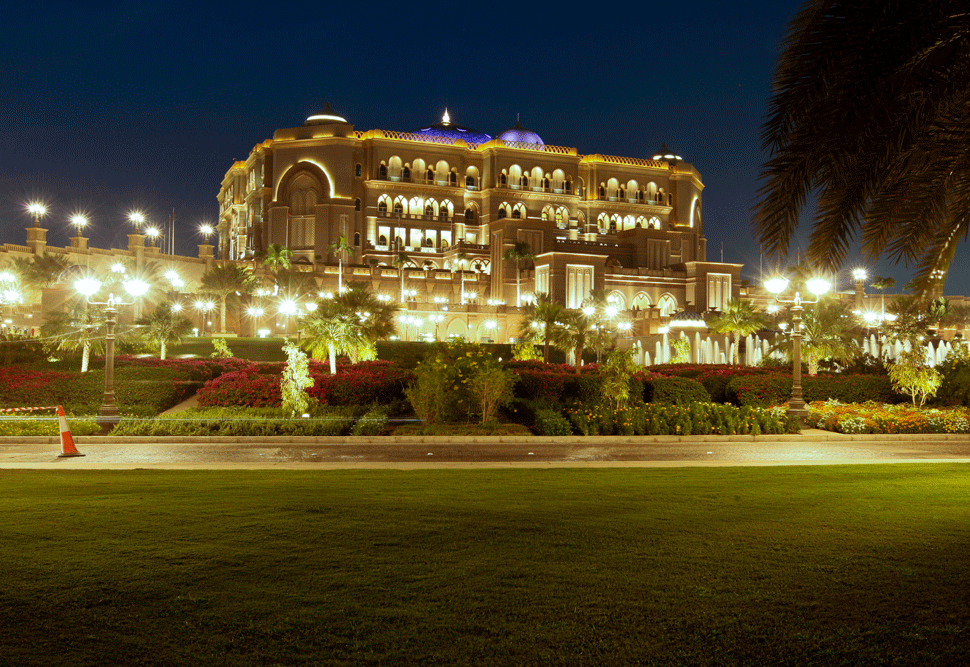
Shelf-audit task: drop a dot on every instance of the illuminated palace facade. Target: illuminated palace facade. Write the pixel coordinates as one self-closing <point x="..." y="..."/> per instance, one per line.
<point x="454" y="200"/>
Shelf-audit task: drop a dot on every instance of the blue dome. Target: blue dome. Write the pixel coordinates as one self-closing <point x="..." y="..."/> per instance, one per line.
<point x="521" y="135"/>
<point x="445" y="128"/>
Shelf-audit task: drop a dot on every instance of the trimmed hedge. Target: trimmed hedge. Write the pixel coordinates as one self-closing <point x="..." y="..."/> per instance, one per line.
<point x="139" y="390"/>
<point x="776" y="388"/>
<point x="693" y="419"/>
<point x="235" y="422"/>
<point x="674" y="391"/>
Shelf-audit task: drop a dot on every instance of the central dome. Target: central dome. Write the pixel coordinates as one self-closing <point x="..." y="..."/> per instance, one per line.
<point x="445" y="128"/>
<point x="521" y="135"/>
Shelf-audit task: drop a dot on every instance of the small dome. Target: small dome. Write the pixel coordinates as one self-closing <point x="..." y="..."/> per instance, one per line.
<point x="521" y="135"/>
<point x="668" y="155"/>
<point x="326" y="116"/>
<point x="445" y="128"/>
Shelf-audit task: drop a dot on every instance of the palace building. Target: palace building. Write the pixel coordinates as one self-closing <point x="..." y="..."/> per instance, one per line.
<point x="449" y="202"/>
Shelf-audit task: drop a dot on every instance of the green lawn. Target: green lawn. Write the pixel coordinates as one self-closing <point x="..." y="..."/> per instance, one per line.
<point x="857" y="565"/>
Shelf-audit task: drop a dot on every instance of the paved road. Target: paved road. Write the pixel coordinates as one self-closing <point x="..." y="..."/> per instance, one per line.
<point x="416" y="452"/>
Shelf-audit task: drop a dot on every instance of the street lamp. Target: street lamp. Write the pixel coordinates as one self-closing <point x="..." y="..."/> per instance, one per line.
<point x="818" y="287"/>
<point x="136" y="219"/>
<point x="204" y="307"/>
<point x="207" y="231"/>
<point x="37" y="210"/>
<point x="152" y="233"/>
<point x="108" y="417"/>
<point x="79" y="222"/>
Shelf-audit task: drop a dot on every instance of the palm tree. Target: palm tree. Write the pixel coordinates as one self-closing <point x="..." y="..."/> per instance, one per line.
<point x="827" y="333"/>
<point x="225" y="280"/>
<point x="277" y="257"/>
<point x="576" y="333"/>
<point x="520" y="250"/>
<point x="332" y="329"/>
<point x="339" y="249"/>
<point x="542" y="321"/>
<point x="77" y="329"/>
<point x="870" y="110"/>
<point x="39" y="271"/>
<point x="166" y="327"/>
<point x="739" y="318"/>
<point x="376" y="317"/>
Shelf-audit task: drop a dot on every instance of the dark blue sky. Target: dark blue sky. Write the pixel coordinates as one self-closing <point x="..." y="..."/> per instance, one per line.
<point x="119" y="105"/>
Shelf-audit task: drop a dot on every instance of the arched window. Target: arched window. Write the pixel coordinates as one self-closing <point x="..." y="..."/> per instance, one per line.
<point x="356" y="238"/>
<point x="469" y="181"/>
<point x="357" y="170"/>
<point x="545" y="184"/>
<point x="469" y="215"/>
<point x="519" y="212"/>
<point x="503" y="179"/>
<point x="429" y="243"/>
<point x="667" y="305"/>
<point x="502" y="213"/>
<point x="622" y="193"/>
<point x="382" y="172"/>
<point x="406" y="173"/>
<point x="453" y="178"/>
<point x="382" y="240"/>
<point x="356" y="204"/>
<point x="560" y="223"/>
<point x="382" y="207"/>
<point x="613" y="226"/>
<point x="430" y="175"/>
<point x="602" y="192"/>
<point x="516" y="213"/>
<point x="525" y="181"/>
<point x="398" y="208"/>
<point x="429" y="210"/>
<point x="654" y="223"/>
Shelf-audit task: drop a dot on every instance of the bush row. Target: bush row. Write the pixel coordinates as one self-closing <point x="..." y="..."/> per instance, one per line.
<point x="258" y="386"/>
<point x="331" y="421"/>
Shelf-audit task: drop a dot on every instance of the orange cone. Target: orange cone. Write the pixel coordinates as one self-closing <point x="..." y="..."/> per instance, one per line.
<point x="67" y="440"/>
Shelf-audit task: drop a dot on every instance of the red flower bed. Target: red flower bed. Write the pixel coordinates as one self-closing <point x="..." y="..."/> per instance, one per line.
<point x="19" y="386"/>
<point x="354" y="384"/>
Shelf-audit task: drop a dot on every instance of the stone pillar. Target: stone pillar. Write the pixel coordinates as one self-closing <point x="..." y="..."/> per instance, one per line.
<point x="79" y="242"/>
<point x="37" y="239"/>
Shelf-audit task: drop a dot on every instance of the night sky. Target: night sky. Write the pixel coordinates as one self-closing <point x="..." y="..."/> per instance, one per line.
<point x="117" y="106"/>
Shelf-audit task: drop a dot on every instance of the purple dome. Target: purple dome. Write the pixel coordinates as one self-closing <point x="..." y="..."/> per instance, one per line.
<point x="445" y="128"/>
<point x="521" y="135"/>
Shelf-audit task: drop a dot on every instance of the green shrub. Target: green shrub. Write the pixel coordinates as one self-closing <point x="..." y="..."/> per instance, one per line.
<point x="372" y="422"/>
<point x="551" y="422"/>
<point x="955" y="373"/>
<point x="674" y="391"/>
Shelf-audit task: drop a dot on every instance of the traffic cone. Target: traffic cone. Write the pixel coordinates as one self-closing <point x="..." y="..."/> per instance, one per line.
<point x="67" y="440"/>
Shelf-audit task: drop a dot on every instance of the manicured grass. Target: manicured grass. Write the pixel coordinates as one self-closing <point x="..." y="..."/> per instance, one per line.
<point x="858" y="565"/>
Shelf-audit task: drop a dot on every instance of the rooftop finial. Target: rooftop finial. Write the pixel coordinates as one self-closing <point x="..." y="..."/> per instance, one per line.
<point x="446" y="118"/>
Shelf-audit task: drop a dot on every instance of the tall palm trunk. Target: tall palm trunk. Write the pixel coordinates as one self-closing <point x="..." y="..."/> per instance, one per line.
<point x="85" y="356"/>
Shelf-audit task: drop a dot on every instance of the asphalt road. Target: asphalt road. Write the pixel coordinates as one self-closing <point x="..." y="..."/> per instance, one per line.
<point x="816" y="448"/>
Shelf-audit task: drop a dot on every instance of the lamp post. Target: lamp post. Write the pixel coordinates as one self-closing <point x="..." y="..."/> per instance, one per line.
<point x="108" y="416"/>
<point x="152" y="233"/>
<point x="37" y="210"/>
<point x="818" y="287"/>
<point x="137" y="219"/>
<point x="204" y="307"/>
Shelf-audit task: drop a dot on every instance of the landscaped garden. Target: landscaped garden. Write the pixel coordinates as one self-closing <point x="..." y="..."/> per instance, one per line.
<point x="457" y="385"/>
<point x="830" y="565"/>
